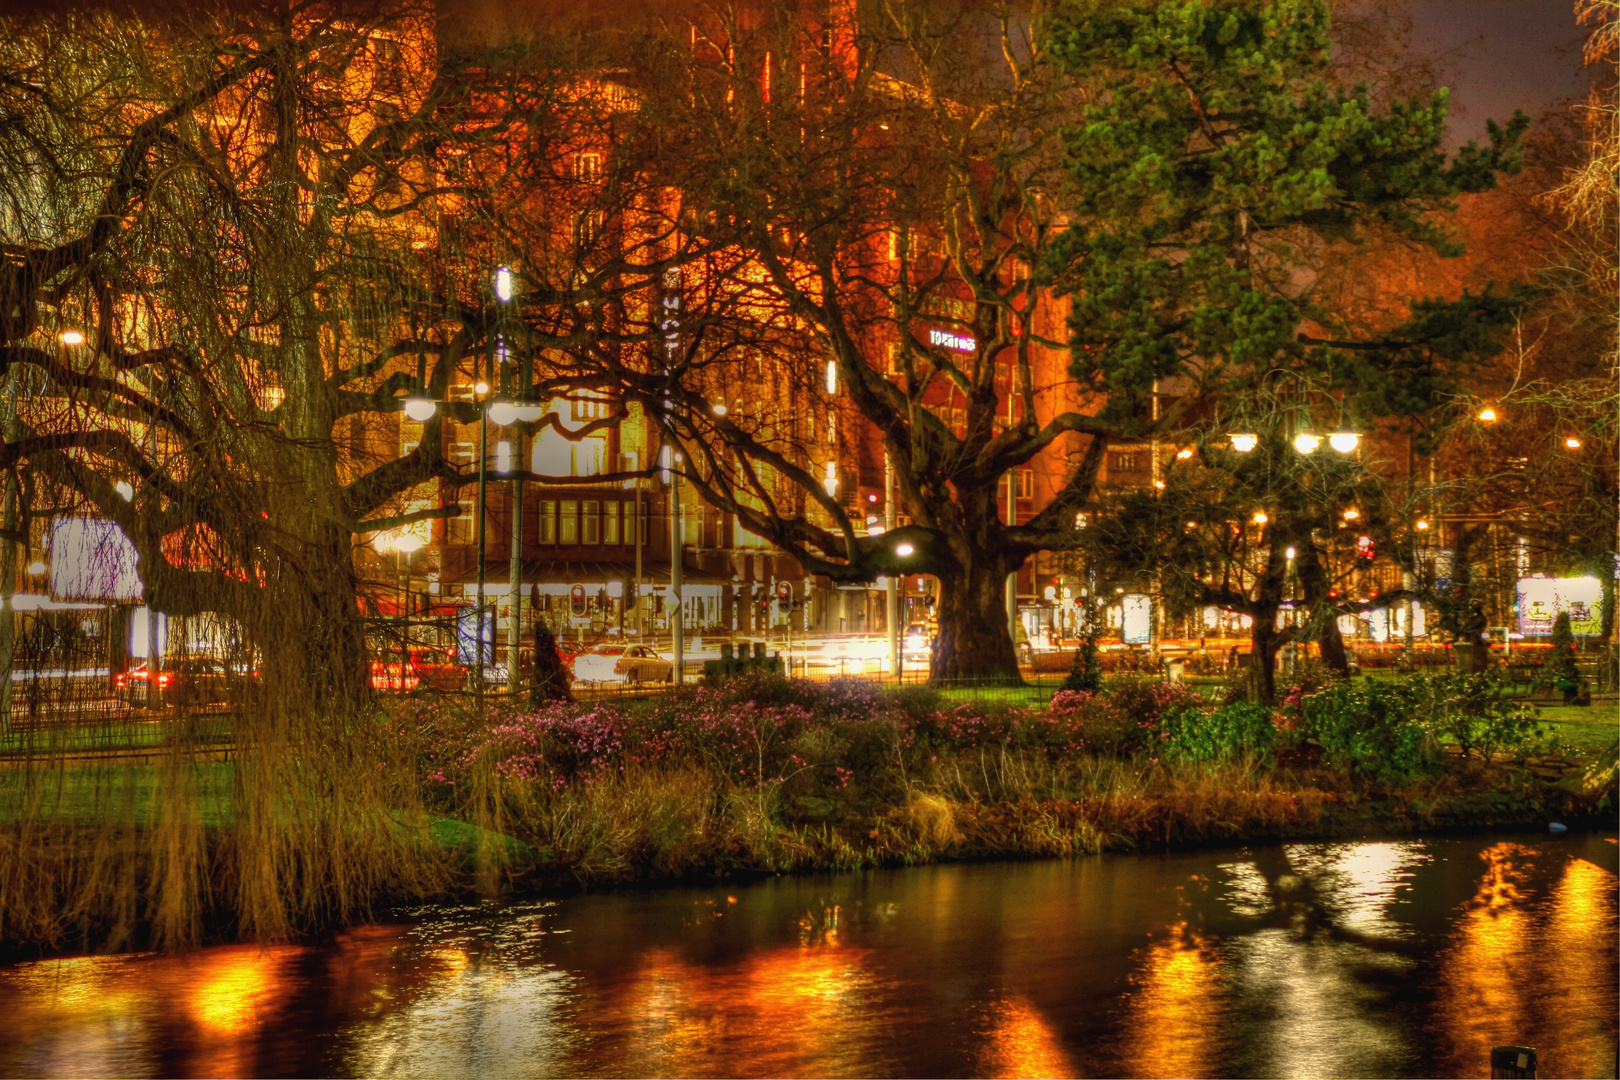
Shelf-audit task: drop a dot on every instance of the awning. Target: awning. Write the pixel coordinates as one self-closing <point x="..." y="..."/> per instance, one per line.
<point x="566" y="571"/>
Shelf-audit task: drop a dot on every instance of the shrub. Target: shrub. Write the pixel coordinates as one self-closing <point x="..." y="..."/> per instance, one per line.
<point x="1236" y="730"/>
<point x="1475" y="711"/>
<point x="1373" y="729"/>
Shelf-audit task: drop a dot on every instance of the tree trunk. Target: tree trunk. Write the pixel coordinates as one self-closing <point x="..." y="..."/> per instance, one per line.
<point x="1264" y="643"/>
<point x="973" y="640"/>
<point x="1313" y="582"/>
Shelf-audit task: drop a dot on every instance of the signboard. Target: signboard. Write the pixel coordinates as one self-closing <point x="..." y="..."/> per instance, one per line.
<point x="1542" y="599"/>
<point x="467" y="649"/>
<point x="92" y="559"/>
<point x="1444" y="565"/>
<point x="1136" y="619"/>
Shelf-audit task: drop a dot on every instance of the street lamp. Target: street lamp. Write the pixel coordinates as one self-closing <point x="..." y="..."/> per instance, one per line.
<point x="904" y="550"/>
<point x="1573" y="443"/>
<point x="1487" y="414"/>
<point x="503" y="284"/>
<point x="1344" y="441"/>
<point x="1306" y="443"/>
<point x="502" y="412"/>
<point x="1244" y="441"/>
<point x="71" y="337"/>
<point x="420" y="407"/>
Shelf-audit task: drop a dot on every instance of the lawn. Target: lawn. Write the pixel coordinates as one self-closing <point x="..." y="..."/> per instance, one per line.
<point x="1590" y="729"/>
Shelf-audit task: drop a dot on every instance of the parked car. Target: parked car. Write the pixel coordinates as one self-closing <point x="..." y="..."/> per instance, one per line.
<point x="623" y="663"/>
<point x="916" y="642"/>
<point x="192" y="680"/>
<point x="411" y="669"/>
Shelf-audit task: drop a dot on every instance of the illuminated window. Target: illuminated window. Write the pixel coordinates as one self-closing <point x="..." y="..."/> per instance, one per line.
<point x="1024" y="480"/>
<point x="590" y="522"/>
<point x="610" y="523"/>
<point x="587" y="168"/>
<point x="548" y="521"/>
<point x="568" y="531"/>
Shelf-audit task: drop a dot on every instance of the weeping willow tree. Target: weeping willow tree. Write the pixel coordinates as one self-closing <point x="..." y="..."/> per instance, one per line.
<point x="225" y="256"/>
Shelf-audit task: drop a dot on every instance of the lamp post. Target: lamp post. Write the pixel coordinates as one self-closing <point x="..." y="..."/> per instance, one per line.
<point x="676" y="543"/>
<point x="891" y="595"/>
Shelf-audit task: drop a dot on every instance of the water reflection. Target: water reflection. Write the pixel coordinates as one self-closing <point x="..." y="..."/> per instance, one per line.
<point x="1177" y="1007"/>
<point x="1300" y="960"/>
<point x="1533" y="951"/>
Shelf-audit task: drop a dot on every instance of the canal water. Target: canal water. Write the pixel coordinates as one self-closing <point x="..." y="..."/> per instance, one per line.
<point x="1344" y="959"/>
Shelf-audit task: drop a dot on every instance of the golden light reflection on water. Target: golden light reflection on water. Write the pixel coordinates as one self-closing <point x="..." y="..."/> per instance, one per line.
<point x="798" y="1009"/>
<point x="1022" y="1042"/>
<point x="1175" y="1008"/>
<point x="1521" y="962"/>
<point x="101" y="1015"/>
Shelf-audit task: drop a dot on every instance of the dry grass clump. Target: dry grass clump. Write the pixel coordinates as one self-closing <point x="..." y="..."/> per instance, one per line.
<point x="297" y="831"/>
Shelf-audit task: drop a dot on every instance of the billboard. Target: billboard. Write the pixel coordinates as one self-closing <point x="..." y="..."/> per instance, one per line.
<point x="467" y="650"/>
<point x="92" y="559"/>
<point x="1136" y="613"/>
<point x="1542" y="599"/>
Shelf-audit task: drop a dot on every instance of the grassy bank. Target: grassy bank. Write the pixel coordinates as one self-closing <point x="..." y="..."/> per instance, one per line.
<point x="772" y="776"/>
<point x="315" y="829"/>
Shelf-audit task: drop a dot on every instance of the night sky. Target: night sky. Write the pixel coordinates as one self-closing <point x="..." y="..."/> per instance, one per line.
<point x="1501" y="55"/>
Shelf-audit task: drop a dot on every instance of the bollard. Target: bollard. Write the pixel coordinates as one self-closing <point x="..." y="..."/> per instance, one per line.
<point x="1513" y="1061"/>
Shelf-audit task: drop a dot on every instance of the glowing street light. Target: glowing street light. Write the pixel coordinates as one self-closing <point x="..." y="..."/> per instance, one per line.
<point x="1306" y="443"/>
<point x="1352" y="514"/>
<point x="903" y="550"/>
<point x="528" y="411"/>
<point x="71" y="337"/>
<point x="1260" y="517"/>
<point x="1573" y="443"/>
<point x="1487" y="414"/>
<point x="1344" y="441"/>
<point x="503" y="285"/>
<point x="1422" y="526"/>
<point x="1244" y="441"/>
<point x="420" y="407"/>
<point x="502" y="412"/>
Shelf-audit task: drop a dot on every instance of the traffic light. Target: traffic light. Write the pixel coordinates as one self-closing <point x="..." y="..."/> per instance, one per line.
<point x="576" y="597"/>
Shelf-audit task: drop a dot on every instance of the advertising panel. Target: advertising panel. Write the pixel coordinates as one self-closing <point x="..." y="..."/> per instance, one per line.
<point x="1136" y="619"/>
<point x="92" y="559"/>
<point x="1542" y="599"/>
<point x="467" y="649"/>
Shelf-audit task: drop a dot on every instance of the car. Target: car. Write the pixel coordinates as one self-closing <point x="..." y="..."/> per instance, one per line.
<point x="191" y="680"/>
<point x="623" y="663"/>
<point x="916" y="642"/>
<point x="417" y="667"/>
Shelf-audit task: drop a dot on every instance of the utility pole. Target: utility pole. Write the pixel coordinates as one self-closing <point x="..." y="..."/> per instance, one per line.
<point x="677" y="631"/>
<point x="8" y="561"/>
<point x="1011" y="590"/>
<point x="514" y="616"/>
<point x="891" y="597"/>
<point x="478" y="539"/>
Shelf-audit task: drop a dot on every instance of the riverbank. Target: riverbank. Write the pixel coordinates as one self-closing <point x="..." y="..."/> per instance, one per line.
<point x="789" y="778"/>
<point x="429" y="800"/>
